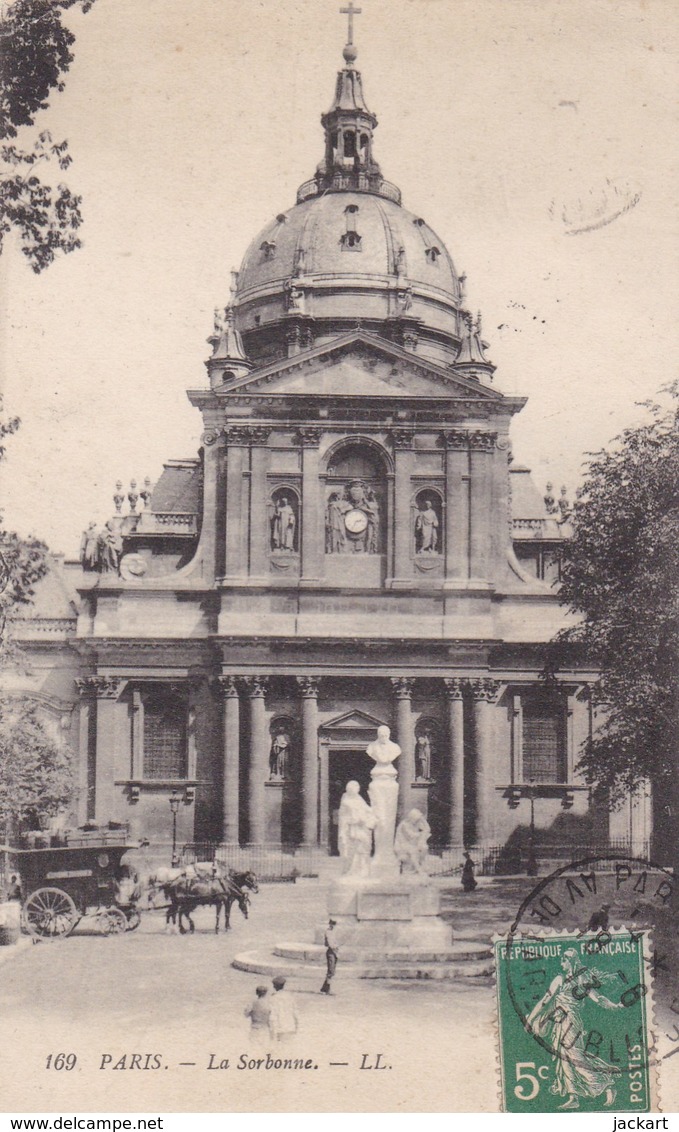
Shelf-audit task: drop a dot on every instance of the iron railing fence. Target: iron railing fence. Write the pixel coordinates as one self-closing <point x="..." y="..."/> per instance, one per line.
<point x="276" y="862"/>
<point x="269" y="862"/>
<point x="513" y="860"/>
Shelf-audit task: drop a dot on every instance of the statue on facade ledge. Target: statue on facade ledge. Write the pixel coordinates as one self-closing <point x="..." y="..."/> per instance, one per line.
<point x="101" y="550"/>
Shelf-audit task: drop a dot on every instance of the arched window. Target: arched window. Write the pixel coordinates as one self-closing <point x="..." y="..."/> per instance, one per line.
<point x="428" y="532"/>
<point x="356" y="497"/>
<point x="284" y="521"/>
<point x="433" y="254"/>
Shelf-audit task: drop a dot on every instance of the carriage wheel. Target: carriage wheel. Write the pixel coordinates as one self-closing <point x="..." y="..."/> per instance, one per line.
<point x="112" y="921"/>
<point x="133" y="920"/>
<point x="49" y="913"/>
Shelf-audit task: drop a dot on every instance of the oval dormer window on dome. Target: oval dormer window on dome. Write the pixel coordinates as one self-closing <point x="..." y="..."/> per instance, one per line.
<point x="433" y="254"/>
<point x="268" y="249"/>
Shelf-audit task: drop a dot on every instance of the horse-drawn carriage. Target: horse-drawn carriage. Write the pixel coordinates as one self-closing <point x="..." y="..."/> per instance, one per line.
<point x="61" y="884"/>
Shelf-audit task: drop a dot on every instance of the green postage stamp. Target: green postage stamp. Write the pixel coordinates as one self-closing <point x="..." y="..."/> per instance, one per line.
<point x="574" y="1015"/>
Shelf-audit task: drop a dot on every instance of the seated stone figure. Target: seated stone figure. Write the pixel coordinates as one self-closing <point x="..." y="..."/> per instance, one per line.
<point x="410" y="843"/>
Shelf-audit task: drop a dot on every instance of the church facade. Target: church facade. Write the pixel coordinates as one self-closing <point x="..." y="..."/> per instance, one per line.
<point x="352" y="546"/>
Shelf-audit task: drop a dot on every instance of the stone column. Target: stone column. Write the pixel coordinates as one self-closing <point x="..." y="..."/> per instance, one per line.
<point x="457" y="505"/>
<point x="454" y="693"/>
<point x="484" y="693"/>
<point x="231" y="772"/>
<point x="313" y="508"/>
<point x="482" y="444"/>
<point x="309" y="793"/>
<point x="86" y="690"/>
<point x="208" y="532"/>
<point x="107" y="689"/>
<point x="405" y="737"/>
<point x="258" y="766"/>
<point x="258" y="527"/>
<point x="403" y="516"/>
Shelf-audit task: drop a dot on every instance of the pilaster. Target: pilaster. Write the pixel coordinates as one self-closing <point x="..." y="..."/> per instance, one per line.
<point x="312" y="541"/>
<point x="403" y="539"/>
<point x="456" y="445"/>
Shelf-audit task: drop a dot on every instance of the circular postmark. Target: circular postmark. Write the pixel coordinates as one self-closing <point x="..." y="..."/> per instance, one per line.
<point x="577" y="968"/>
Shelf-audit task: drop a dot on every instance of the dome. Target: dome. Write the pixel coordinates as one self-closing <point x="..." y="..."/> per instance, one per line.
<point x="348" y="253"/>
<point x="348" y="257"/>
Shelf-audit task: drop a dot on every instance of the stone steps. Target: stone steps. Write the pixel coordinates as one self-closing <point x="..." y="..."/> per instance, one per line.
<point x="264" y="963"/>
<point x="315" y="953"/>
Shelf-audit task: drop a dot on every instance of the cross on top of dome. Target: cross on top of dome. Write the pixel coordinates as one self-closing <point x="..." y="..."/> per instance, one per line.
<point x="350" y="12"/>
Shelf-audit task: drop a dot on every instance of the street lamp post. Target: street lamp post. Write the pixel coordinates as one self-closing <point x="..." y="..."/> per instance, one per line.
<point x="175" y="802"/>
<point x="532" y="869"/>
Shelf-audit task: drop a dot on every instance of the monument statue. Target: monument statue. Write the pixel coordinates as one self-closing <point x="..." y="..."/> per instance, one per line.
<point x="355" y="833"/>
<point x="283" y="526"/>
<point x="426" y="529"/>
<point x="383" y="751"/>
<point x="410" y="843"/>
<point x="423" y="755"/>
<point x="279" y="756"/>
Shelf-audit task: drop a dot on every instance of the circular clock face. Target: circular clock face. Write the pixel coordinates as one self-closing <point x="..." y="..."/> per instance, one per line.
<point x="355" y="521"/>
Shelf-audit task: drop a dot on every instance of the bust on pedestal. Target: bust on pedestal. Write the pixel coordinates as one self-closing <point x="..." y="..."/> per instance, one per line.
<point x="374" y="905"/>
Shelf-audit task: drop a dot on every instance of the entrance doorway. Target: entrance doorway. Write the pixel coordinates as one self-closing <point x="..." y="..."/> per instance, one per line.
<point x="343" y="766"/>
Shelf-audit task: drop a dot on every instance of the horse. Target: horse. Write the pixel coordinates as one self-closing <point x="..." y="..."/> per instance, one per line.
<point x="240" y="882"/>
<point x="186" y="894"/>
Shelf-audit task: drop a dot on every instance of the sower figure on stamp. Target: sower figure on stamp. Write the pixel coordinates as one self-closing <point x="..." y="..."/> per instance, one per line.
<point x="331" y="955"/>
<point x="558" y="1016"/>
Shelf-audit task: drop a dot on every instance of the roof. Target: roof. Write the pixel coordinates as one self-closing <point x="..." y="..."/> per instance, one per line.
<point x="179" y="488"/>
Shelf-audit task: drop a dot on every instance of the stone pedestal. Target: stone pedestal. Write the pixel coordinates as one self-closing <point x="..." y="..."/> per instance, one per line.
<point x="402" y="912"/>
<point x="383" y="791"/>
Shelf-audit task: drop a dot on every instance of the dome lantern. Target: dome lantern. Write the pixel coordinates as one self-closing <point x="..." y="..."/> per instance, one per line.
<point x="348" y="163"/>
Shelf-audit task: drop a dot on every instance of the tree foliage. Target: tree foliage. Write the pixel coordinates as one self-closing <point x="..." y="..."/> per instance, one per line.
<point x="23" y="561"/>
<point x="35" y="52"/>
<point x="35" y="769"/>
<point x="621" y="578"/>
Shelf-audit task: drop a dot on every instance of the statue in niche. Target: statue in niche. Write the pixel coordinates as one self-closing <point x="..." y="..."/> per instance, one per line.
<point x="352" y="522"/>
<point x="355" y="832"/>
<point x="423" y="755"/>
<point x="279" y="756"/>
<point x="410" y="843"/>
<point x="283" y="526"/>
<point x="426" y="529"/>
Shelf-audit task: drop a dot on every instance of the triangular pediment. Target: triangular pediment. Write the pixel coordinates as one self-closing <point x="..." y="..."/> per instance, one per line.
<point x="361" y="365"/>
<point x="355" y="720"/>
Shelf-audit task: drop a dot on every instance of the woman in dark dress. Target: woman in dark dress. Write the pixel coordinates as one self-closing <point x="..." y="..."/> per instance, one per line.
<point x="468" y="878"/>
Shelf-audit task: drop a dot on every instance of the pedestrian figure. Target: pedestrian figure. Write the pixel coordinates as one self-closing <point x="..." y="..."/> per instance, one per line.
<point x="283" y="1020"/>
<point x="14" y="890"/>
<point x="468" y="878"/>
<point x="598" y="921"/>
<point x="259" y="1013"/>
<point x="331" y="955"/>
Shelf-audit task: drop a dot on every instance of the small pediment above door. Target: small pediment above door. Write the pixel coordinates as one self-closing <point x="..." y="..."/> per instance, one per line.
<point x="355" y="720"/>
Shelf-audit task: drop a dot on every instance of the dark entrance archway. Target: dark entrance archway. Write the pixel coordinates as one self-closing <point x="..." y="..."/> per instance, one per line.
<point x="343" y="766"/>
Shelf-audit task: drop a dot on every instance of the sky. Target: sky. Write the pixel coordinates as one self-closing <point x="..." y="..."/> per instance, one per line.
<point x="535" y="138"/>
